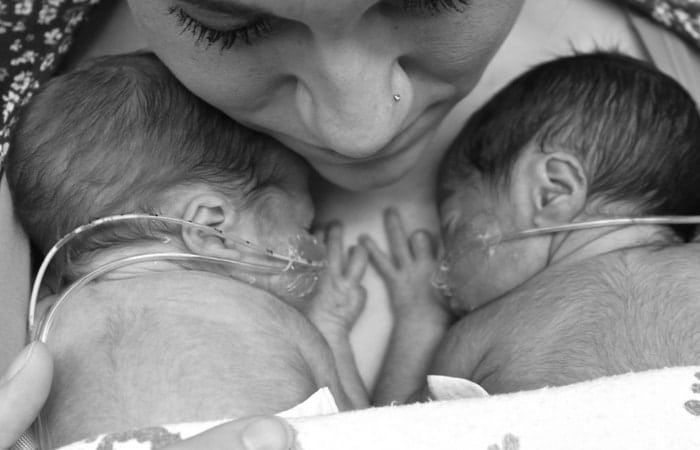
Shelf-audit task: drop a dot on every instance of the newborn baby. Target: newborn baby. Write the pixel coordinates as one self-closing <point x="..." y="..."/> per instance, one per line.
<point x="577" y="139"/>
<point x="167" y="342"/>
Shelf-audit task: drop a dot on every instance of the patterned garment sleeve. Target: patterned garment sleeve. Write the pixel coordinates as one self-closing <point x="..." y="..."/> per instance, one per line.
<point x="34" y="36"/>
<point x="682" y="16"/>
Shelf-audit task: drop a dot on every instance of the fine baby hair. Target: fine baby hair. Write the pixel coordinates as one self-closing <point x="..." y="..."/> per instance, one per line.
<point x="635" y="130"/>
<point x="117" y="135"/>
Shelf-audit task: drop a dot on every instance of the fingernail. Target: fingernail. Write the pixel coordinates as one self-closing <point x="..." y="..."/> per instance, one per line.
<point x="19" y="362"/>
<point x="267" y="433"/>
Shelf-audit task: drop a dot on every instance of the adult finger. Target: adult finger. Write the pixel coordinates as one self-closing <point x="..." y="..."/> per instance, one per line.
<point x="250" y="433"/>
<point x="23" y="391"/>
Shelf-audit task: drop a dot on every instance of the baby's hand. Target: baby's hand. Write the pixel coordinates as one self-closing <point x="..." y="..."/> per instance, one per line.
<point x="407" y="272"/>
<point x="340" y="298"/>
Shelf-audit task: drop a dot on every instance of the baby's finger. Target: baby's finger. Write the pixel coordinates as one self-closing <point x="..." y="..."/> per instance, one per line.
<point x="396" y="235"/>
<point x="358" y="297"/>
<point x="334" y="242"/>
<point x="381" y="261"/>
<point x="422" y="245"/>
<point x="357" y="263"/>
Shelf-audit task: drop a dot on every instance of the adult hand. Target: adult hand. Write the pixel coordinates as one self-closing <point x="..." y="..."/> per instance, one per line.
<point x="23" y="391"/>
<point x="250" y="433"/>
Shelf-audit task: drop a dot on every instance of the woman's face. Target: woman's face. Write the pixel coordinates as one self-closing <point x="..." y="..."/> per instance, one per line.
<point x="323" y="77"/>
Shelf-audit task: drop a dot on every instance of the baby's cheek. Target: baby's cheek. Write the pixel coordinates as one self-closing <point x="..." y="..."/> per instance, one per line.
<point x="482" y="273"/>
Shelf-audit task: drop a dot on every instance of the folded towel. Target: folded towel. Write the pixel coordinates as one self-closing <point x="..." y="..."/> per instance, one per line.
<point x="658" y="409"/>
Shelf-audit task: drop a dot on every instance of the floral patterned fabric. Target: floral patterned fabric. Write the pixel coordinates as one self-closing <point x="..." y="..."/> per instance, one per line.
<point x="682" y="16"/>
<point x="36" y="34"/>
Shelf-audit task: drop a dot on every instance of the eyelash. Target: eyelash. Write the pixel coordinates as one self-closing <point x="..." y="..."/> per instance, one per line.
<point x="226" y="39"/>
<point x="435" y="6"/>
<point x="262" y="27"/>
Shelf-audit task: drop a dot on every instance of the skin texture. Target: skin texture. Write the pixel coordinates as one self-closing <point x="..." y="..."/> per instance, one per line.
<point x="320" y="83"/>
<point x="127" y="362"/>
<point x="202" y="345"/>
<point x="23" y="390"/>
<point x="550" y="310"/>
<point x="545" y="27"/>
<point x="14" y="277"/>
<point x="336" y="307"/>
<point x="420" y="318"/>
<point x="154" y="344"/>
<point x="599" y="317"/>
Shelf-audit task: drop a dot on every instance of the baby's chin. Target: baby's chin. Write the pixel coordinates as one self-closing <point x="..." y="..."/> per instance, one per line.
<point x="481" y="289"/>
<point x="465" y="300"/>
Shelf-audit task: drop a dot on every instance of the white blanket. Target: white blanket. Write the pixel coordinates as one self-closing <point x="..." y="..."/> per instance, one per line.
<point x="657" y="410"/>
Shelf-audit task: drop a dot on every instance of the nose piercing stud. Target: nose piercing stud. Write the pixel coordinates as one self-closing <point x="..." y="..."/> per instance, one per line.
<point x="397" y="98"/>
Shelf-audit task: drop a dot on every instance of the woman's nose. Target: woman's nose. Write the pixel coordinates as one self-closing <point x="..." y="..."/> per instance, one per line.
<point x="354" y="99"/>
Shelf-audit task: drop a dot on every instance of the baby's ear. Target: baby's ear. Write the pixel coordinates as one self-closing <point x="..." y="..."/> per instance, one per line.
<point x="560" y="188"/>
<point x="213" y="210"/>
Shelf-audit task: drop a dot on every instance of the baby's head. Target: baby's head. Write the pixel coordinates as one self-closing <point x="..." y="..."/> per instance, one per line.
<point x="583" y="137"/>
<point x="121" y="135"/>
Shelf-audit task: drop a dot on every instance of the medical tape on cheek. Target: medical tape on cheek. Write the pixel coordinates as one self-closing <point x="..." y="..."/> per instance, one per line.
<point x="296" y="272"/>
<point x="476" y="241"/>
<point x="487" y="232"/>
<point x="288" y="276"/>
<point x="487" y="235"/>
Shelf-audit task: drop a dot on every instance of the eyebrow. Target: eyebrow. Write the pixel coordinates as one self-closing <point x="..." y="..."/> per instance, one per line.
<point x="226" y="6"/>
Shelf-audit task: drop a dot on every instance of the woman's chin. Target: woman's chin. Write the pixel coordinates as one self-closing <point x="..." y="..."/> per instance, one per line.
<point x="362" y="177"/>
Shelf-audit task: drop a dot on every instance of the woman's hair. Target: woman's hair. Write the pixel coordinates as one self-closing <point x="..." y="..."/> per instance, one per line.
<point x="113" y="137"/>
<point x="635" y="130"/>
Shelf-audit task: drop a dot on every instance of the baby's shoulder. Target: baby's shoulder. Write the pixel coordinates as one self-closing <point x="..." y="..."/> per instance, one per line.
<point x="649" y="273"/>
<point x="625" y="311"/>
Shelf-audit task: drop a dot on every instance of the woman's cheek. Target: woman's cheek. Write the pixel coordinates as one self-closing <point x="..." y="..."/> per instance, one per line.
<point x="235" y="80"/>
<point x="461" y="51"/>
<point x="230" y="84"/>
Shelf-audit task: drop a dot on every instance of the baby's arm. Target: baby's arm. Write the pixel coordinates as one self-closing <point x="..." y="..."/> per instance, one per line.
<point x="336" y="306"/>
<point x="420" y="318"/>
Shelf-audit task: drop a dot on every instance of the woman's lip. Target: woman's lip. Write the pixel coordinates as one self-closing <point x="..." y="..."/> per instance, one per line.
<point x="401" y="142"/>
